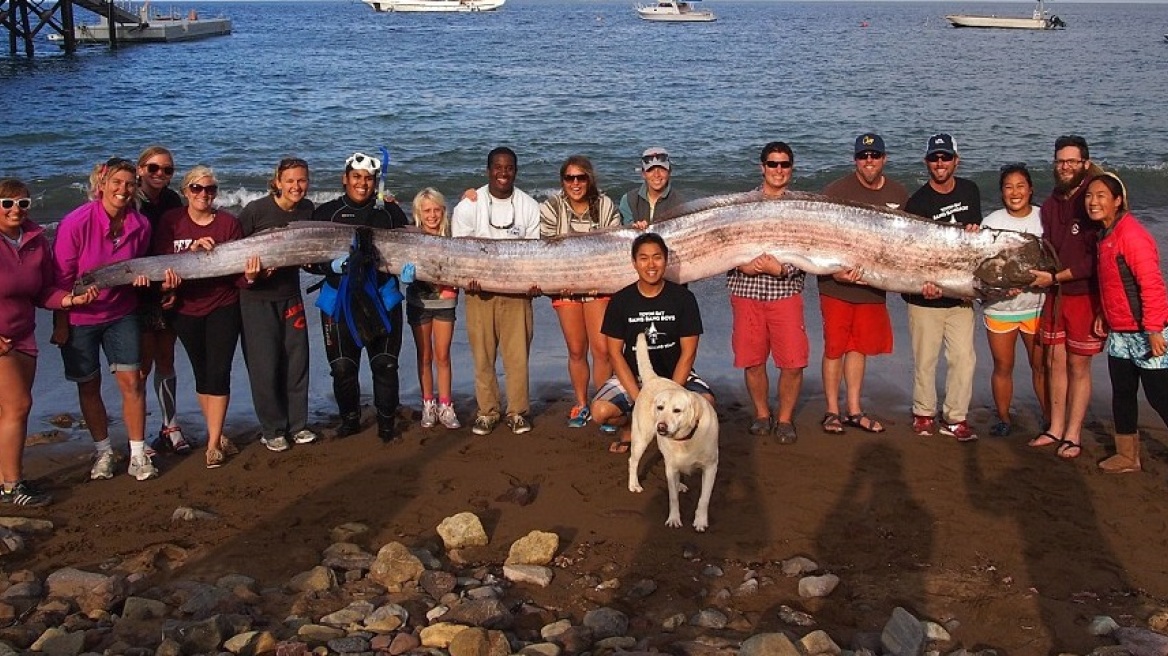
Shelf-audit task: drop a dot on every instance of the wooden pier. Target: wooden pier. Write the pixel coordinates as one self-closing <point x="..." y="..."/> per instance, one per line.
<point x="24" y="19"/>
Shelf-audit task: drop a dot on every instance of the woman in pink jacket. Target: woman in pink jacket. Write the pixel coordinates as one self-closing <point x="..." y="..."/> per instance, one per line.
<point x="103" y="231"/>
<point x="26" y="281"/>
<point x="1135" y="314"/>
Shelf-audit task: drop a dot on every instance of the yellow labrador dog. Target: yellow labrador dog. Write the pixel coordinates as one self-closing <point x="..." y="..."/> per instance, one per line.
<point x="685" y="426"/>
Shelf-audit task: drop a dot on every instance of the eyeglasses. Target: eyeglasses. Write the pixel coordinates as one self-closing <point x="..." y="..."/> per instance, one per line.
<point x="363" y="162"/>
<point x="1064" y="163"/>
<point x="581" y="177"/>
<point x="491" y="214"/>
<point x="9" y="203"/>
<point x="940" y="157"/>
<point x="778" y="164"/>
<point x="153" y="168"/>
<point x="197" y="189"/>
<point x="869" y="154"/>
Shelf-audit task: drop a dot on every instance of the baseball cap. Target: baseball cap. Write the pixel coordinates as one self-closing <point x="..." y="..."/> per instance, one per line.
<point x="869" y="142"/>
<point x="655" y="156"/>
<point x="941" y="143"/>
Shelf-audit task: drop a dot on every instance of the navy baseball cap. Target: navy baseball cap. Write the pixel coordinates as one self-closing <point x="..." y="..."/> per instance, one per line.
<point x="941" y="143"/>
<point x="869" y="142"/>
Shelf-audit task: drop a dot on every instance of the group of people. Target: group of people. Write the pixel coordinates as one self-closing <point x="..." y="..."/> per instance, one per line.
<point x="1110" y="294"/>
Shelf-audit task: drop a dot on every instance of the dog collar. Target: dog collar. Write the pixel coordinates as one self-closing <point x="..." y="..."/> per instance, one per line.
<point x="691" y="434"/>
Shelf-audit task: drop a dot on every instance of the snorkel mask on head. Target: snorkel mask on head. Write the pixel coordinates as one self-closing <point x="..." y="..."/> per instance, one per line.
<point x="363" y="162"/>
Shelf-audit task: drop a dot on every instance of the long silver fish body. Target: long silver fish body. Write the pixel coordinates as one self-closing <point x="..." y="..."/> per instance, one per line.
<point x="895" y="251"/>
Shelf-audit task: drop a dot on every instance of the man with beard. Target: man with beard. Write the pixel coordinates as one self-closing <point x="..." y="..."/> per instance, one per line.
<point x="499" y="322"/>
<point x="934" y="322"/>
<point x="359" y="207"/>
<point x="1066" y="329"/>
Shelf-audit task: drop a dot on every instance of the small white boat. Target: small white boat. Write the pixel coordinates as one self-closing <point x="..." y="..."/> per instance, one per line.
<point x="675" y="11"/>
<point x="1041" y="19"/>
<point x="439" y="6"/>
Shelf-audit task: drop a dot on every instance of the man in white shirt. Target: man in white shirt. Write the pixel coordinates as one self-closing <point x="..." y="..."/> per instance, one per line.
<point x="499" y="322"/>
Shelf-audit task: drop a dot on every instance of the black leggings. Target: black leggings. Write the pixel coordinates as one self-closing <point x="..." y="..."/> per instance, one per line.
<point x="210" y="345"/>
<point x="1125" y="383"/>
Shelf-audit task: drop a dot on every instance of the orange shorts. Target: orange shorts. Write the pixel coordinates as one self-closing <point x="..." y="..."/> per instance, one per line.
<point x="861" y="327"/>
<point x="1073" y="324"/>
<point x="1028" y="326"/>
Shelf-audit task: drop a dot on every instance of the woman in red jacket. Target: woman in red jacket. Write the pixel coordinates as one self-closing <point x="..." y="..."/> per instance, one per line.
<point x="1135" y="312"/>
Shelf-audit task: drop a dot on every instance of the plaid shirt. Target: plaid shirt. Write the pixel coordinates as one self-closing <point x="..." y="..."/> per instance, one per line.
<point x="765" y="287"/>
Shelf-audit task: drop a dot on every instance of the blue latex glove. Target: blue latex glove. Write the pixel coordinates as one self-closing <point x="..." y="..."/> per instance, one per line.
<point x="407" y="273"/>
<point x="338" y="265"/>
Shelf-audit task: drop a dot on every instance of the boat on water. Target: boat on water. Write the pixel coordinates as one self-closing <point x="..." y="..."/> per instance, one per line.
<point x="436" y="6"/>
<point x="675" y="11"/>
<point x="153" y="27"/>
<point x="1041" y="19"/>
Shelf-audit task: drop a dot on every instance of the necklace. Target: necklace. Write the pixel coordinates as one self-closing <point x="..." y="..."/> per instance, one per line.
<point x="491" y="213"/>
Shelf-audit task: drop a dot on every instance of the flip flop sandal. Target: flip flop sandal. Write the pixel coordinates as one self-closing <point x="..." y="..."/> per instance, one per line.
<point x="619" y="447"/>
<point x="1045" y="438"/>
<point x="863" y="422"/>
<point x="833" y="424"/>
<point x="1066" y="446"/>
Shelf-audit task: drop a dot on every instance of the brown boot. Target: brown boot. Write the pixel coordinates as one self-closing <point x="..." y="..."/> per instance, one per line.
<point x="1126" y="458"/>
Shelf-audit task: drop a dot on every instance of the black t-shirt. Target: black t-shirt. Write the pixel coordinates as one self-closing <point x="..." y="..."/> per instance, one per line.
<point x="265" y="214"/>
<point x="962" y="206"/>
<point x="664" y="318"/>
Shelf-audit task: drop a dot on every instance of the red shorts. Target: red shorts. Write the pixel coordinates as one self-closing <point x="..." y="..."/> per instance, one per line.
<point x="1073" y="324"/>
<point x="769" y="327"/>
<point x="861" y="327"/>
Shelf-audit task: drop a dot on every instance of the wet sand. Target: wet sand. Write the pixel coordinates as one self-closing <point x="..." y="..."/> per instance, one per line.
<point x="1019" y="547"/>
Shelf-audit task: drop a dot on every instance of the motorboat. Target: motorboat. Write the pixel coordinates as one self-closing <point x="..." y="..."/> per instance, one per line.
<point x="675" y="11"/>
<point x="440" y="6"/>
<point x="1041" y="19"/>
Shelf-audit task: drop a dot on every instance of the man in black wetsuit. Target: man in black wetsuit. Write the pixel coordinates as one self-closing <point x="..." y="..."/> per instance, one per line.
<point x="360" y="206"/>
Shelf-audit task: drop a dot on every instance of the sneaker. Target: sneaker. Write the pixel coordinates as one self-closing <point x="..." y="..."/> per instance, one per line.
<point x="227" y="447"/>
<point x="25" y="494"/>
<point x="429" y="413"/>
<point x="959" y="430"/>
<point x="1001" y="429"/>
<point x="924" y="426"/>
<point x="304" y="436"/>
<point x="483" y="425"/>
<point x="142" y="468"/>
<point x="103" y="466"/>
<point x="215" y="458"/>
<point x="172" y="437"/>
<point x="608" y="429"/>
<point x="278" y="443"/>
<point x="518" y="424"/>
<point x="350" y="425"/>
<point x="579" y="417"/>
<point x="447" y="416"/>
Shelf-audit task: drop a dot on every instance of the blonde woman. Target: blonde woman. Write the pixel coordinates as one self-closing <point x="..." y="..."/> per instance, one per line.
<point x="430" y="313"/>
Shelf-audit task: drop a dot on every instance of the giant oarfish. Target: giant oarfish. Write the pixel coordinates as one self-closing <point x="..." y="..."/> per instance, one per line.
<point x="896" y="251"/>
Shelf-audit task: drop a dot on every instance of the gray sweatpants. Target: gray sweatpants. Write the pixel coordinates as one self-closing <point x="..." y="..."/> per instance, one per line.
<point x="275" y="348"/>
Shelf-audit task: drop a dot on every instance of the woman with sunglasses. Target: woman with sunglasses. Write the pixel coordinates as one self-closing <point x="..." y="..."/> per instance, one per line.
<point x="1134" y="306"/>
<point x="107" y="230"/>
<point x="26" y="281"/>
<point x="206" y="311"/>
<point x="156" y="198"/>
<point x="580" y="207"/>
<point x="1007" y="319"/>
<point x="275" y="336"/>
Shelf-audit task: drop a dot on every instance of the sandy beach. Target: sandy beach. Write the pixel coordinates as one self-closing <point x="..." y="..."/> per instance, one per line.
<point x="1016" y="546"/>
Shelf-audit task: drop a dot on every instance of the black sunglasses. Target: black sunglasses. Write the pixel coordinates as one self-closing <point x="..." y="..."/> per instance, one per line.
<point x="778" y="164"/>
<point x="197" y="189"/>
<point x="869" y="154"/>
<point x="9" y="203"/>
<point x="581" y="177"/>
<point x="940" y="157"/>
<point x="153" y="168"/>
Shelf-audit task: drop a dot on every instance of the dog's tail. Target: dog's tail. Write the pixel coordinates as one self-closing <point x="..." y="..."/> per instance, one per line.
<point x="644" y="366"/>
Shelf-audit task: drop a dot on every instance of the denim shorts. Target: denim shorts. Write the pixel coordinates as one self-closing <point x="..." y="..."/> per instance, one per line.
<point x="613" y="392"/>
<point x="416" y="316"/>
<point x="118" y="338"/>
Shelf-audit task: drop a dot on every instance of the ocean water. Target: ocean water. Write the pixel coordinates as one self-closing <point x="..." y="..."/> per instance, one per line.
<point x="553" y="78"/>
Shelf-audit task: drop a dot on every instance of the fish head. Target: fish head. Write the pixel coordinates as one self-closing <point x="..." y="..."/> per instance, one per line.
<point x="1010" y="268"/>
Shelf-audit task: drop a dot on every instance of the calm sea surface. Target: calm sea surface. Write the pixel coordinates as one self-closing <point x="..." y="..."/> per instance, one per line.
<point x="322" y="80"/>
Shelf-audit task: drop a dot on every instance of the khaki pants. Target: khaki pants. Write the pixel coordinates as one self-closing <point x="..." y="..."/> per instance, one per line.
<point x="930" y="329"/>
<point x="495" y="323"/>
